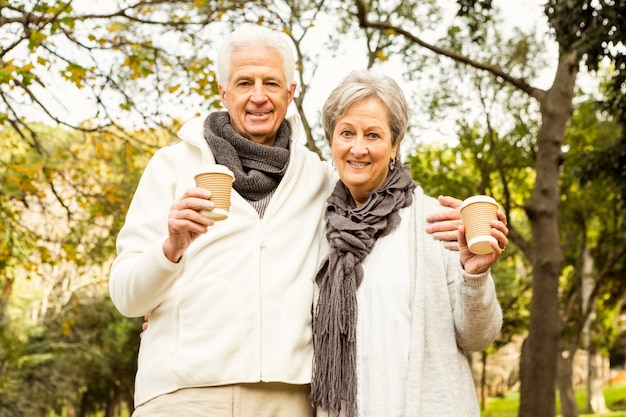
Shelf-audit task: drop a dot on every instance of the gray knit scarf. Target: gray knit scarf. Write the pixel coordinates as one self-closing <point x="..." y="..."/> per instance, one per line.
<point x="352" y="232"/>
<point x="258" y="168"/>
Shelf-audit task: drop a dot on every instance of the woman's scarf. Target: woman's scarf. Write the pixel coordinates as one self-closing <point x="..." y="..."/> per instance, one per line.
<point x="258" y="168"/>
<point x="352" y="232"/>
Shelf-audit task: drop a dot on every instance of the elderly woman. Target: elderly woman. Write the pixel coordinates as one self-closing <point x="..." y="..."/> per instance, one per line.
<point x="396" y="311"/>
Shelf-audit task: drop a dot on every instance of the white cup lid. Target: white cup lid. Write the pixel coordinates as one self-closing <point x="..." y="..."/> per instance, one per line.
<point x="478" y="199"/>
<point x="216" y="168"/>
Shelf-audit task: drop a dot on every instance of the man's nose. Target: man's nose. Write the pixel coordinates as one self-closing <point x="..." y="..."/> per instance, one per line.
<point x="258" y="93"/>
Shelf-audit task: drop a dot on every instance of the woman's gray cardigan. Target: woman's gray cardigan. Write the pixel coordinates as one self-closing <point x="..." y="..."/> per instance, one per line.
<point x="448" y="319"/>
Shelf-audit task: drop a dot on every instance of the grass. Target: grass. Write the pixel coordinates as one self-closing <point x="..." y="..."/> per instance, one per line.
<point x="507" y="406"/>
<point x="615" y="397"/>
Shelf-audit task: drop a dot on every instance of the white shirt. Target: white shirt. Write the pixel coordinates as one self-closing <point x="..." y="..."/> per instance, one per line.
<point x="383" y="327"/>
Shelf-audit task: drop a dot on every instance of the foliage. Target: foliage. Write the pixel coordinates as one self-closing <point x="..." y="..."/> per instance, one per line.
<point x="594" y="29"/>
<point x="60" y="219"/>
<point x="89" y="333"/>
<point x="117" y="55"/>
<point x="592" y="218"/>
<point x="64" y="199"/>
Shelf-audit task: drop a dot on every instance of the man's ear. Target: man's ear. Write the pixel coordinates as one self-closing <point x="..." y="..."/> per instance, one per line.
<point x="292" y="92"/>
<point x="223" y="96"/>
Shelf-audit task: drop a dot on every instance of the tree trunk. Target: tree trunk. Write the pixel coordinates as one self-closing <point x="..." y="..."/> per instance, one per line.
<point x="564" y="382"/>
<point x="595" y="392"/>
<point x="538" y="364"/>
<point x="484" y="388"/>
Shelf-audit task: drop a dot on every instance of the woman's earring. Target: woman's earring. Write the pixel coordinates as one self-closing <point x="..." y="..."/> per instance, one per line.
<point x="392" y="164"/>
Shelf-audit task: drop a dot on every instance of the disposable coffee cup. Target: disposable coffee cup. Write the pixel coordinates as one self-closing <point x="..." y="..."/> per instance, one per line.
<point x="477" y="212"/>
<point x="219" y="180"/>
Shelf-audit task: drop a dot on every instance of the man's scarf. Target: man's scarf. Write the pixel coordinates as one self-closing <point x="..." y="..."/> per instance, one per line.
<point x="258" y="168"/>
<point x="352" y="232"/>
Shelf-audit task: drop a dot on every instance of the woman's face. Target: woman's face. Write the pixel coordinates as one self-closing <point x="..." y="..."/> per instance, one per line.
<point x="361" y="147"/>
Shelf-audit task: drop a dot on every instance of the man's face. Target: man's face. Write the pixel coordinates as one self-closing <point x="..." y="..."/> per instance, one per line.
<point x="257" y="94"/>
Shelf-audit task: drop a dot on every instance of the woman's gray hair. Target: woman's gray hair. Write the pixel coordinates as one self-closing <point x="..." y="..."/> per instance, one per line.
<point x="360" y="84"/>
<point x="256" y="37"/>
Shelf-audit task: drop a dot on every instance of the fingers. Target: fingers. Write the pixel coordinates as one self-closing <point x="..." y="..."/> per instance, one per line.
<point x="443" y="215"/>
<point x="454" y="246"/>
<point x="503" y="242"/>
<point x="461" y="236"/>
<point x="448" y="212"/>
<point x="185" y="222"/>
<point x="500" y="230"/>
<point x="448" y="201"/>
<point x="475" y="264"/>
<point x="188" y="220"/>
<point x="501" y="217"/>
<point x="144" y="325"/>
<point x="444" y="223"/>
<point x="445" y="234"/>
<point x="194" y="199"/>
<point x="185" y="213"/>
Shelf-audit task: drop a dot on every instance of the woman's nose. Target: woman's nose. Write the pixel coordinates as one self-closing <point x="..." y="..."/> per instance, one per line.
<point x="358" y="146"/>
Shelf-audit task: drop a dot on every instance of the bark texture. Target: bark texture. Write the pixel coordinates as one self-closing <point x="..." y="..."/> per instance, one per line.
<point x="538" y="365"/>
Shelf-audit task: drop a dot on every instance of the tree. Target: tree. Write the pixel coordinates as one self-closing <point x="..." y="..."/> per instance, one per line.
<point x="83" y="361"/>
<point x="586" y="32"/>
<point x="59" y="266"/>
<point x="107" y="59"/>
<point x="590" y="219"/>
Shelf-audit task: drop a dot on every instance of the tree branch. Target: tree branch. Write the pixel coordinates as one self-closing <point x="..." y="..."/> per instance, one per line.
<point x="493" y="69"/>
